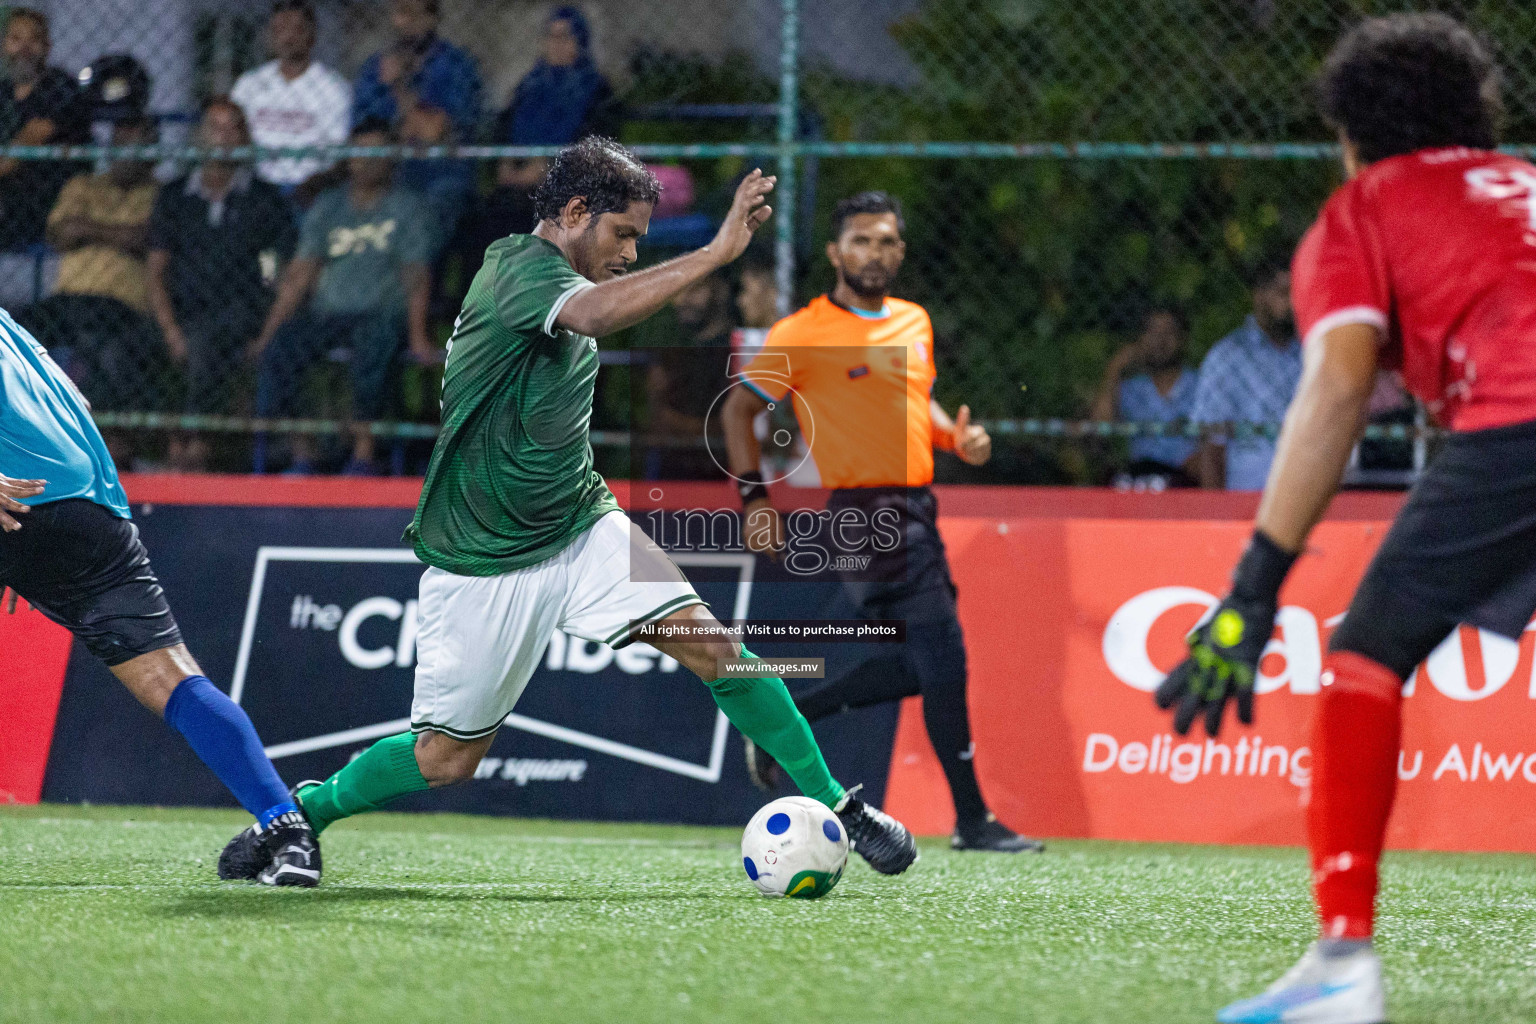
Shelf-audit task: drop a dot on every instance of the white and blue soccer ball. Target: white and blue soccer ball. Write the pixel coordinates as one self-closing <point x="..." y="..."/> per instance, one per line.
<point x="794" y="847"/>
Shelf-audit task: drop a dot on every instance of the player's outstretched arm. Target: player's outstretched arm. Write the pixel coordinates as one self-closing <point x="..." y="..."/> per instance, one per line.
<point x="625" y="301"/>
<point x="1321" y="427"/>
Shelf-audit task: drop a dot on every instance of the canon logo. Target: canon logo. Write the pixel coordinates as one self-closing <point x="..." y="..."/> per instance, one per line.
<point x="1471" y="664"/>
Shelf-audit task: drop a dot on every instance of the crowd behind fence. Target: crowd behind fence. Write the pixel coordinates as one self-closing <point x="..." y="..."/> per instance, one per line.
<point x="245" y="230"/>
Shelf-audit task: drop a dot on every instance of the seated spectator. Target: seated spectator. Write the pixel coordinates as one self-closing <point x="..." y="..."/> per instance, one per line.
<point x="39" y="105"/>
<point x="115" y="87"/>
<point x="429" y="91"/>
<point x="363" y="252"/>
<point x="95" y="323"/>
<point x="1248" y="377"/>
<point x="294" y="100"/>
<point x="1148" y="382"/>
<point x="757" y="303"/>
<point x="683" y="382"/>
<point x="562" y="99"/>
<point x="215" y="240"/>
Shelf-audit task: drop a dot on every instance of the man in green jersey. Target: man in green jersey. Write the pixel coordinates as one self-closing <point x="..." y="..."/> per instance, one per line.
<point x="522" y="537"/>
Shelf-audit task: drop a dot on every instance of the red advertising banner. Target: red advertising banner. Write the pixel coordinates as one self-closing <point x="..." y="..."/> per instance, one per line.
<point x="1070" y="624"/>
<point x="1074" y="603"/>
<point x="33" y="655"/>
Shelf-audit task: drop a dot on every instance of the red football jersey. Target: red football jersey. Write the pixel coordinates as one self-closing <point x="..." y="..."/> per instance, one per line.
<point x="1438" y="249"/>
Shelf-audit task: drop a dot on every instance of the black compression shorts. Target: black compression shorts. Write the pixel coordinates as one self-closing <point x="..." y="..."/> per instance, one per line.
<point x="1463" y="549"/>
<point x="86" y="569"/>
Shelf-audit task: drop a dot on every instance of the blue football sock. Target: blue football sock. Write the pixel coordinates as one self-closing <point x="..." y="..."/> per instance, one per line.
<point x="220" y="733"/>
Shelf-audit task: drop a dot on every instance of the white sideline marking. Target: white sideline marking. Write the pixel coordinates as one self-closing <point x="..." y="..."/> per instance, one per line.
<point x="744" y="564"/>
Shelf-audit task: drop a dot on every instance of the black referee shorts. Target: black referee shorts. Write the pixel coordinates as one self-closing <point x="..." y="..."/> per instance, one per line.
<point x="910" y="581"/>
<point x="86" y="569"/>
<point x="1462" y="550"/>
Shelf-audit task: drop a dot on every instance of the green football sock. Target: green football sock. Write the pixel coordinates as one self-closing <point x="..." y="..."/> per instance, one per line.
<point x="762" y="709"/>
<point x="379" y="774"/>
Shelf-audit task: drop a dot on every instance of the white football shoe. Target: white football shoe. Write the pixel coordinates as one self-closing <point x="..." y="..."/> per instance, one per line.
<point x="1318" y="990"/>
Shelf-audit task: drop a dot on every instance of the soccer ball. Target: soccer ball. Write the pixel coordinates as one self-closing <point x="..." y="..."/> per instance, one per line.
<point x="794" y="847"/>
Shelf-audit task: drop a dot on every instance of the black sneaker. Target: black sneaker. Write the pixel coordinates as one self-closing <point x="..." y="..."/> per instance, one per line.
<point x="762" y="769"/>
<point x="876" y="836"/>
<point x="295" y="851"/>
<point x="244" y="856"/>
<point x="992" y="836"/>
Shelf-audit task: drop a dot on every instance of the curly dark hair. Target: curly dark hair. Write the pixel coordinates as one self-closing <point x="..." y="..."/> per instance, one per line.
<point x="866" y="202"/>
<point x="1408" y="82"/>
<point x="604" y="173"/>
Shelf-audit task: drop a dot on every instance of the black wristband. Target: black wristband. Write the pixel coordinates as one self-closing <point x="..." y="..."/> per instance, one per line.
<point x="1262" y="570"/>
<point x="750" y="486"/>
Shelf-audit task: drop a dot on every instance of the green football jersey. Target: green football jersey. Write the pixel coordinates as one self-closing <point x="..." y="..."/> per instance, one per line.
<point x="511" y="481"/>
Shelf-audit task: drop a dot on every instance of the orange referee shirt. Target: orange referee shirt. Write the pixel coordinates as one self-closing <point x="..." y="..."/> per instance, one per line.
<point x="860" y="387"/>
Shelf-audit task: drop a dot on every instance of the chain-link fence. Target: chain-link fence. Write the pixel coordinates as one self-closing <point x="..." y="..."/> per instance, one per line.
<point x="1067" y="169"/>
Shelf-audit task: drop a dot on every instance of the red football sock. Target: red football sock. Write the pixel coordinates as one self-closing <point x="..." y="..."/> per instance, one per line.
<point x="1354" y="778"/>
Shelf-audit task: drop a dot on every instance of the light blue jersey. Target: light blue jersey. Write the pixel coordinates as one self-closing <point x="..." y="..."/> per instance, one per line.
<point x="46" y="431"/>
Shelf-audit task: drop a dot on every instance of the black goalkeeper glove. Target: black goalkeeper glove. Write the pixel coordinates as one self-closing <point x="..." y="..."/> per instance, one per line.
<point x="1225" y="651"/>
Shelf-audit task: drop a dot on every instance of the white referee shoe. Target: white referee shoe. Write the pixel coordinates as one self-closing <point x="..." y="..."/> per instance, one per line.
<point x="1319" y="990"/>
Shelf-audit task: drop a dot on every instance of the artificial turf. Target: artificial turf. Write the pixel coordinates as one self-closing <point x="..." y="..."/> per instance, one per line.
<point x="114" y="914"/>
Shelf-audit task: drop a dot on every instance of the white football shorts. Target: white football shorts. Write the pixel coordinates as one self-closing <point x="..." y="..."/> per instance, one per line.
<point x="482" y="637"/>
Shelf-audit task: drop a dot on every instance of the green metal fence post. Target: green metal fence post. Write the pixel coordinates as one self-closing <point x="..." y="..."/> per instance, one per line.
<point x="784" y="192"/>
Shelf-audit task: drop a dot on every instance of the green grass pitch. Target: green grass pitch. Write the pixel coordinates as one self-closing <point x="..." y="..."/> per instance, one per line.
<point x="114" y="914"/>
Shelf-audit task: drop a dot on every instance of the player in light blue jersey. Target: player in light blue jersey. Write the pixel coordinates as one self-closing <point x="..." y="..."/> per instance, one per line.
<point x="68" y="547"/>
<point x="47" y="432"/>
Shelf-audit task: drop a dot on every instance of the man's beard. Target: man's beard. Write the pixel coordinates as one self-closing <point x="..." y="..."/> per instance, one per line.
<point x="874" y="281"/>
<point x="582" y="251"/>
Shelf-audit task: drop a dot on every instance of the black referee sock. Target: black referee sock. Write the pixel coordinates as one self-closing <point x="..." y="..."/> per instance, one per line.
<point x="936" y="653"/>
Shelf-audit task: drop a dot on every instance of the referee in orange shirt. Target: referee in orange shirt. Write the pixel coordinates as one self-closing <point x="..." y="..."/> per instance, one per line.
<point x="859" y="367"/>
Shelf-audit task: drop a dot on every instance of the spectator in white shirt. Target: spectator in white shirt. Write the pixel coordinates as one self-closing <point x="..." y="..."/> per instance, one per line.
<point x="294" y="100"/>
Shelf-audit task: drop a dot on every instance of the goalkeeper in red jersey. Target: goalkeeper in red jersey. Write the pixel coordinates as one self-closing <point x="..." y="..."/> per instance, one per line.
<point x="1424" y="261"/>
